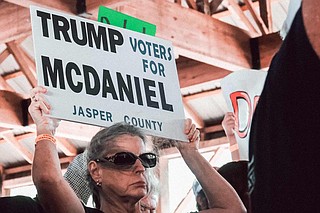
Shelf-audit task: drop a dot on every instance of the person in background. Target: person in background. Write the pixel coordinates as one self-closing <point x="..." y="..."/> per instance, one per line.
<point x="284" y="144"/>
<point x="229" y="125"/>
<point x="236" y="174"/>
<point x="117" y="164"/>
<point x="201" y="199"/>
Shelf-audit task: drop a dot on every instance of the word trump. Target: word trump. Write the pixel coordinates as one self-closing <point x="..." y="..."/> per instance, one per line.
<point x="80" y="32"/>
<point x="242" y="96"/>
<point x="144" y="92"/>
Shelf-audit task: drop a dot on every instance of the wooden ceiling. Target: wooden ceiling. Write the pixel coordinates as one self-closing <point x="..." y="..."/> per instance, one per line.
<point x="206" y="48"/>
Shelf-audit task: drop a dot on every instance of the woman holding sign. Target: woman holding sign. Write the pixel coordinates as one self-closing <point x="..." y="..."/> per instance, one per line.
<point x="117" y="164"/>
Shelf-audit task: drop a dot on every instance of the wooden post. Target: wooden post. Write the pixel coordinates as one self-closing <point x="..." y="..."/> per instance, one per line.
<point x="1" y="179"/>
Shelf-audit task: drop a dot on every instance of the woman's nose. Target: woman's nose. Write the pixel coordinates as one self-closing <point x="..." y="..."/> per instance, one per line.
<point x="138" y="166"/>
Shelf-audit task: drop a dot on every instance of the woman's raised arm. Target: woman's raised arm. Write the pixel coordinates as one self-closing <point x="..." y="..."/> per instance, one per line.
<point x="54" y="193"/>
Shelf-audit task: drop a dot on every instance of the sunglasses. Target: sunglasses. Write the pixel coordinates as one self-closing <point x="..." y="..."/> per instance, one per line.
<point x="148" y="160"/>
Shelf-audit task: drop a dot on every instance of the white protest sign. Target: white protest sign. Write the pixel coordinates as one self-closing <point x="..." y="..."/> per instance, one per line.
<point x="241" y="90"/>
<point x="101" y="74"/>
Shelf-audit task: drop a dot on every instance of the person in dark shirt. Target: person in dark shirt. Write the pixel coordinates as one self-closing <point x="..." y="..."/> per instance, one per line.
<point x="20" y="204"/>
<point x="284" y="144"/>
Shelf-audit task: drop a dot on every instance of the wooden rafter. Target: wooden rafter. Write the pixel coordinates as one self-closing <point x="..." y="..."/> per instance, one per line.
<point x="202" y="94"/>
<point x="1" y="179"/>
<point x="265" y="13"/>
<point x="191" y="4"/>
<point x="12" y="115"/>
<point x="15" y="27"/>
<point x="4" y="55"/>
<point x="27" y="168"/>
<point x="27" y="179"/>
<point x="23" y="62"/>
<point x="181" y="208"/>
<point x="67" y="6"/>
<point x="236" y="8"/>
<point x="263" y="28"/>
<point x="193" y="72"/>
<point x="15" y="74"/>
<point x="177" y="1"/>
<point x="24" y="152"/>
<point x="262" y="51"/>
<point x="214" y="5"/>
<point x="214" y="128"/>
<point x="4" y="85"/>
<point x="30" y="61"/>
<point x="194" y="116"/>
<point x="66" y="147"/>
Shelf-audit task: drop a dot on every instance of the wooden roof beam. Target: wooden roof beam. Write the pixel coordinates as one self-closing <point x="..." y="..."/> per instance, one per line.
<point x="261" y="50"/>
<point x="191" y="4"/>
<point x="66" y="147"/>
<point x="234" y="6"/>
<point x="20" y="58"/>
<point x="202" y="94"/>
<point x="1" y="179"/>
<point x="194" y="116"/>
<point x="206" y="40"/>
<point x="4" y="85"/>
<point x="27" y="179"/>
<point x="63" y="5"/>
<point x="15" y="20"/>
<point x="265" y="13"/>
<point x="263" y="28"/>
<point x="13" y="110"/>
<point x="24" y="152"/>
<point x="4" y="55"/>
<point x="191" y="72"/>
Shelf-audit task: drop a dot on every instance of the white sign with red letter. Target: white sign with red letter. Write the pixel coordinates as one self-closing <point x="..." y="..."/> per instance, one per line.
<point x="241" y="90"/>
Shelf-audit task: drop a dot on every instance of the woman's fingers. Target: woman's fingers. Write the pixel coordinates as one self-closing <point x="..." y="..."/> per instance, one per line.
<point x="36" y="90"/>
<point x="191" y="130"/>
<point x="38" y="100"/>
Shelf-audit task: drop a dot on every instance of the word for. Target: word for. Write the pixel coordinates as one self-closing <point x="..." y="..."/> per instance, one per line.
<point x="101" y="37"/>
<point x="89" y="81"/>
<point x="143" y="123"/>
<point x="154" y="67"/>
<point x="92" y="113"/>
<point x="236" y="97"/>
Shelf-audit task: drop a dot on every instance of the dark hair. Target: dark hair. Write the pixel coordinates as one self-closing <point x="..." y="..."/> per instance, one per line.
<point x="236" y="174"/>
<point x="102" y="142"/>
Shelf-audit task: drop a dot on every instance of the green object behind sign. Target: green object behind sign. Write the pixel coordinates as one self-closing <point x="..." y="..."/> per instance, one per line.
<point x="118" y="19"/>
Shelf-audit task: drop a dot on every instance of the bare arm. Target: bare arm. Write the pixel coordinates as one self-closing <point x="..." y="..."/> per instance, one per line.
<point x="311" y="18"/>
<point x="54" y="193"/>
<point x="218" y="191"/>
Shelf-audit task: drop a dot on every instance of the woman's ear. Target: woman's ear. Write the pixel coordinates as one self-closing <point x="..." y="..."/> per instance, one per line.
<point x="94" y="171"/>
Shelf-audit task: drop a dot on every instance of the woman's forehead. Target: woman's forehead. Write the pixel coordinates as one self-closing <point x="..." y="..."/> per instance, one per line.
<point x="127" y="143"/>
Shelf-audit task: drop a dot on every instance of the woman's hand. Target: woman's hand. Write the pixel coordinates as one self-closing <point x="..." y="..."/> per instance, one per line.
<point x="193" y="134"/>
<point x="229" y="123"/>
<point x="39" y="109"/>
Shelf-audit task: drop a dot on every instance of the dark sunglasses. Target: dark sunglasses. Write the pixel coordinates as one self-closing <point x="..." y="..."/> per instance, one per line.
<point x="148" y="160"/>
